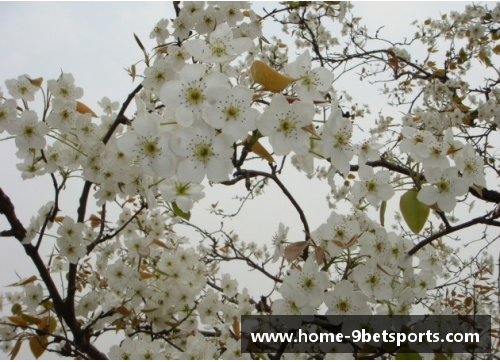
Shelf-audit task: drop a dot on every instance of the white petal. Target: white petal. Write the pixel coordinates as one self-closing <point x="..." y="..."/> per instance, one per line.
<point x="164" y="166"/>
<point x="219" y="170"/>
<point x="184" y="116"/>
<point x="197" y="48"/>
<point x="190" y="171"/>
<point x="128" y="143"/>
<point x="428" y="195"/>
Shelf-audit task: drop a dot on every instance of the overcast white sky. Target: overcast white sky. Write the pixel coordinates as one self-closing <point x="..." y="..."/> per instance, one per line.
<point x="94" y="41"/>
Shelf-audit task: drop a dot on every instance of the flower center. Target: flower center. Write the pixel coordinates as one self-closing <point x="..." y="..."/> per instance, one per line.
<point x="371" y="186"/>
<point x="342" y="139"/>
<point x="443" y="186"/>
<point x="231" y="112"/>
<point x="293" y="306"/>
<point x="64" y="92"/>
<point x="182" y="189"/>
<point x="373" y="280"/>
<point x="343" y="306"/>
<point x="470" y="167"/>
<point x="160" y="76"/>
<point x="340" y="233"/>
<point x="195" y="96"/>
<point x="308" y="283"/>
<point x="203" y="152"/>
<point x="218" y="48"/>
<point x="151" y="147"/>
<point x="287" y="126"/>
<point x="29" y="131"/>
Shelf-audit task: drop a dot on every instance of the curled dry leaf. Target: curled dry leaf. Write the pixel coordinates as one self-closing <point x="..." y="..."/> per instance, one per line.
<point x="269" y="78"/>
<point x="37" y="82"/>
<point x="293" y="251"/>
<point x="320" y="255"/>
<point x="236" y="328"/>
<point x="38" y="345"/>
<point x="31" y="279"/>
<point x="83" y="109"/>
<point x="259" y="150"/>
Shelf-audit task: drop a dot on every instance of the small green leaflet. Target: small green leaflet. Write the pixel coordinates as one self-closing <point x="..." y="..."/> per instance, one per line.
<point x="408" y="354"/>
<point x="179" y="212"/>
<point x="414" y="212"/>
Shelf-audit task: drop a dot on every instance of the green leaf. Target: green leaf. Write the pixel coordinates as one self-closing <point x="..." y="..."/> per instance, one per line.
<point x="414" y="212"/>
<point x="179" y="212"/>
<point x="408" y="354"/>
<point x="383" y="207"/>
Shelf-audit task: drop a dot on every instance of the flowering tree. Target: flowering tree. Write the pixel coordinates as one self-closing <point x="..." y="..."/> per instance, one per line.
<point x="219" y="103"/>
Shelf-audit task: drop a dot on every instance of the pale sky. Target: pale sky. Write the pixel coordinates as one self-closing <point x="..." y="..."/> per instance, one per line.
<point x="94" y="41"/>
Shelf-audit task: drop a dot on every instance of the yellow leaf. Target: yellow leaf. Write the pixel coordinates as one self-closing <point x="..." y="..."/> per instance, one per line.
<point x="83" y="109"/>
<point x="36" y="82"/>
<point x="236" y="328"/>
<point x="148" y="310"/>
<point x="145" y="275"/>
<point x="133" y="72"/>
<point x="294" y="250"/>
<point x="311" y="129"/>
<point x="259" y="150"/>
<point x="414" y="212"/>
<point x="31" y="279"/>
<point x="123" y="310"/>
<point x="439" y="73"/>
<point x="48" y="324"/>
<point x="269" y="78"/>
<point x="161" y="244"/>
<point x="16" y="348"/>
<point x="37" y="345"/>
<point x="320" y="256"/>
<point x="18" y="320"/>
<point x="95" y="221"/>
<point x="30" y="319"/>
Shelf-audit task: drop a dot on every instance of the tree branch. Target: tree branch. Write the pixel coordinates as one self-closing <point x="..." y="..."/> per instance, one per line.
<point x="487" y="220"/>
<point x="484" y="194"/>
<point x="81" y="339"/>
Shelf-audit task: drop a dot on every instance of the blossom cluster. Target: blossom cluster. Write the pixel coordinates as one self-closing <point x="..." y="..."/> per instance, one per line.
<point x="207" y="99"/>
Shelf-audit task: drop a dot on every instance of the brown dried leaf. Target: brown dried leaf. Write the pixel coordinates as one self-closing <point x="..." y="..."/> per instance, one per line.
<point x="95" y="221"/>
<point x="294" y="250"/>
<point x="311" y="129"/>
<point x="37" y="345"/>
<point x="269" y="78"/>
<point x="18" y="320"/>
<point x="236" y="328"/>
<point x="259" y="150"/>
<point x="30" y="319"/>
<point x="122" y="310"/>
<point x="36" y="82"/>
<point x="161" y="244"/>
<point x="16" y="348"/>
<point x="320" y="255"/>
<point x="83" y="109"/>
<point x="145" y="275"/>
<point x="31" y="279"/>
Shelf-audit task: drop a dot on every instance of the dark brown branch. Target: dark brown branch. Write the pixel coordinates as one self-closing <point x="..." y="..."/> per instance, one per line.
<point x="82" y="208"/>
<point x="81" y="339"/>
<point x="485" y="194"/>
<point x="486" y="220"/>
<point x="245" y="174"/>
<point x="17" y="229"/>
<point x="96" y="242"/>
